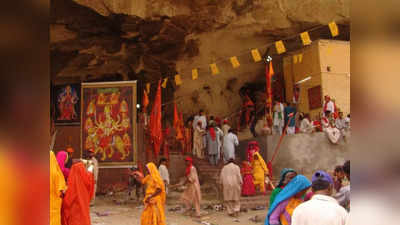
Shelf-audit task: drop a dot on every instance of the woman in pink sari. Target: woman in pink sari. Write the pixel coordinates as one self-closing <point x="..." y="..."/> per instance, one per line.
<point x="62" y="158"/>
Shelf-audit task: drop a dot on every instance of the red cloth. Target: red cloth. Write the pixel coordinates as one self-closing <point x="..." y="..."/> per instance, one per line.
<point x="317" y="125"/>
<point x="252" y="147"/>
<point x="190" y="160"/>
<point x="248" y="187"/>
<point x="212" y="133"/>
<point x="80" y="191"/>
<point x="155" y="122"/>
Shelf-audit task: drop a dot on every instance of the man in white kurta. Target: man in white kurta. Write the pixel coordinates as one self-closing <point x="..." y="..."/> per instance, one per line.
<point x="306" y="126"/>
<point x="230" y="141"/>
<point x="164" y="174"/>
<point x="333" y="134"/>
<point x="231" y="181"/>
<point x="279" y="118"/>
<point x="225" y="127"/>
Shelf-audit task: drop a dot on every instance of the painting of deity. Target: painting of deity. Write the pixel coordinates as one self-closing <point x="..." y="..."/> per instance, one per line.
<point x="108" y="121"/>
<point x="66" y="104"/>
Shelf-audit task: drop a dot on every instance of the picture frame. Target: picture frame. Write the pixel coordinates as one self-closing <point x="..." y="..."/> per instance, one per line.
<point x="66" y="104"/>
<point x="108" y="122"/>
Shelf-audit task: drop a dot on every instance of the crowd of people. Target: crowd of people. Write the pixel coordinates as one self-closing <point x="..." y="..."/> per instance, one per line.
<point x="295" y="200"/>
<point x="72" y="187"/>
<point x="330" y="120"/>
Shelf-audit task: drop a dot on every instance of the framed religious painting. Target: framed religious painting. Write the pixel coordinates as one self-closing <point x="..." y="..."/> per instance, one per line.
<point x="108" y="121"/>
<point x="314" y="97"/>
<point x="66" y="104"/>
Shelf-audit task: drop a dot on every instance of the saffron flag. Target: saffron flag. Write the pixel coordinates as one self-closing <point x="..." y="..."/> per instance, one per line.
<point x="235" y="62"/>
<point x="214" y="69"/>
<point x="256" y="55"/>
<point x="148" y="88"/>
<point x="145" y="101"/>
<point x="280" y="47"/>
<point x="178" y="80"/>
<point x="269" y="72"/>
<point x="164" y="84"/>
<point x="155" y="122"/>
<point x="195" y="74"/>
<point x="334" y="29"/>
<point x="177" y="123"/>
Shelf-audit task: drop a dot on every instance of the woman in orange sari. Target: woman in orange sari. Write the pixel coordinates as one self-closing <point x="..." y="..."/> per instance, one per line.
<point x="80" y="191"/>
<point x="154" y="200"/>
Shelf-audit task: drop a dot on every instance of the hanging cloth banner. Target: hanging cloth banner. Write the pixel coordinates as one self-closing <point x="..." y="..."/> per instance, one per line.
<point x="305" y="37"/>
<point x="148" y="88"/>
<point x="334" y="29"/>
<point x="178" y="80"/>
<point x="195" y="74"/>
<point x="280" y="47"/>
<point x="164" y="84"/>
<point x="256" y="55"/>
<point x="235" y="62"/>
<point x="214" y="69"/>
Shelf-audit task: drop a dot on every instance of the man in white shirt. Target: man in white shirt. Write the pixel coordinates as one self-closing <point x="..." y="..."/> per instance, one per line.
<point x="163" y="170"/>
<point x="321" y="209"/>
<point x="279" y="118"/>
<point x="230" y="141"/>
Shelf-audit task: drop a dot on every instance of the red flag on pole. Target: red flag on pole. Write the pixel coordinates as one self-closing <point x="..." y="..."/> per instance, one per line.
<point x="155" y="122"/>
<point x="177" y="124"/>
<point x="269" y="72"/>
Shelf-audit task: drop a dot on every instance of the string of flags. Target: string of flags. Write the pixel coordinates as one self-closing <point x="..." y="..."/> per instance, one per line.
<point x="279" y="47"/>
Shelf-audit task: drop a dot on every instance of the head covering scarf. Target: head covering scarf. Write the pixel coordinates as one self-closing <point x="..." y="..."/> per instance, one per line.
<point x="261" y="160"/>
<point x="155" y="175"/>
<point x="283" y="175"/>
<point x="79" y="193"/>
<point x="190" y="160"/>
<point x="212" y="133"/>
<point x="296" y="185"/>
<point x="61" y="159"/>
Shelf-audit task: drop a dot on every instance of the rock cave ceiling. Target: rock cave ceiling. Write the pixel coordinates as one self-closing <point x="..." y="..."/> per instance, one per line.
<point x="145" y="39"/>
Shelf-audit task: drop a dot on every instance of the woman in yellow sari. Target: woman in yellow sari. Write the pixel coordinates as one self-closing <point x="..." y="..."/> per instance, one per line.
<point x="260" y="170"/>
<point x="154" y="200"/>
<point x="57" y="189"/>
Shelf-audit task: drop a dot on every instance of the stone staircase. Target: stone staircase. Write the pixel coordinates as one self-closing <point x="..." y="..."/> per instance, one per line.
<point x="209" y="175"/>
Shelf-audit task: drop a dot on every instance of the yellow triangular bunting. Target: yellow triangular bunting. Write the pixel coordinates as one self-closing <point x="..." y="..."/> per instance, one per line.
<point x="235" y="62"/>
<point x="305" y="37"/>
<point x="214" y="69"/>
<point x="195" y="74"/>
<point x="334" y="29"/>
<point x="280" y="47"/>
<point x="178" y="80"/>
<point x="256" y="55"/>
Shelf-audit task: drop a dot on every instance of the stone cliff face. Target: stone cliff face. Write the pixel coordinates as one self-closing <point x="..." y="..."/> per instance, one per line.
<point x="98" y="40"/>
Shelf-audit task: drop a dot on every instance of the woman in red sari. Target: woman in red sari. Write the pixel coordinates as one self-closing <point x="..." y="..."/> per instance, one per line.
<point x="248" y="188"/>
<point x="80" y="191"/>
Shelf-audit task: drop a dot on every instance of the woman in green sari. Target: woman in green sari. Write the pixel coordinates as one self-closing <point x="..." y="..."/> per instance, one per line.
<point x="286" y="176"/>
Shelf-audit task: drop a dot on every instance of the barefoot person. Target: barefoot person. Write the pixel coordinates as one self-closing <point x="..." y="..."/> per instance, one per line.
<point x="192" y="194"/>
<point x="154" y="200"/>
<point x="231" y="181"/>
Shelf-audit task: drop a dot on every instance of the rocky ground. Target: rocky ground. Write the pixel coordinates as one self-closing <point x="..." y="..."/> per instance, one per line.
<point x="120" y="210"/>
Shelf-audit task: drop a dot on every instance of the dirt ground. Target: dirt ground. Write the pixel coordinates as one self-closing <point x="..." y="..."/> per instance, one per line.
<point x="117" y="210"/>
